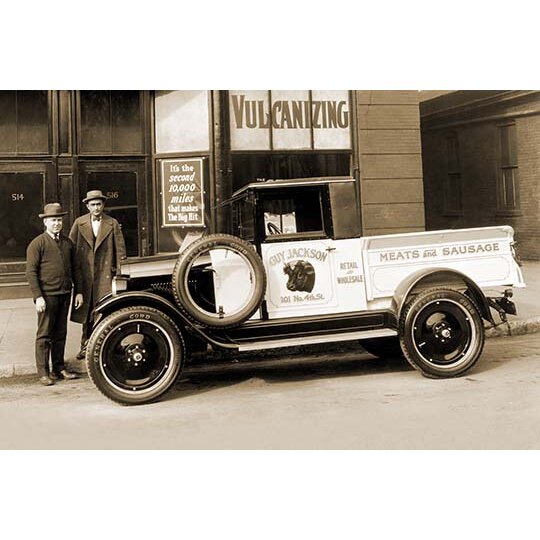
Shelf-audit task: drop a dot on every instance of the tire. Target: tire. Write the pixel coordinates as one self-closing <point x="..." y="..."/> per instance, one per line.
<point x="135" y="355"/>
<point x="201" y="308"/>
<point x="386" y="347"/>
<point x="441" y="333"/>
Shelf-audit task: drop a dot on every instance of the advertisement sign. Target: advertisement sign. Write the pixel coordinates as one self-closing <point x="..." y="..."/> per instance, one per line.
<point x="289" y="119"/>
<point x="182" y="192"/>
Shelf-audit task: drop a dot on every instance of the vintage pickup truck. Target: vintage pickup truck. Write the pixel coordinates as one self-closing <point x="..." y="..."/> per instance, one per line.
<point x="297" y="271"/>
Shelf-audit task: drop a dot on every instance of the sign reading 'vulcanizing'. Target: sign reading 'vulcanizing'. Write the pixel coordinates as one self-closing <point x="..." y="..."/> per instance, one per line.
<point x="182" y="192"/>
<point x="289" y="119"/>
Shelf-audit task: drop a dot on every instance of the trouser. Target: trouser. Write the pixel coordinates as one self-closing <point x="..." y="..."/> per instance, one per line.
<point x="88" y="324"/>
<point x="51" y="334"/>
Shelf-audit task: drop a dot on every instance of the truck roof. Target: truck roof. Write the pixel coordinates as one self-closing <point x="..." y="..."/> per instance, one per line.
<point x="291" y="182"/>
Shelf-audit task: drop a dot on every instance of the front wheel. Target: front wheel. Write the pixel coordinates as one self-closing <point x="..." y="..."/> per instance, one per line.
<point x="441" y="333"/>
<point x="135" y="355"/>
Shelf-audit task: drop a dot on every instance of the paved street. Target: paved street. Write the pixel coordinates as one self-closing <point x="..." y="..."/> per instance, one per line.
<point x="321" y="401"/>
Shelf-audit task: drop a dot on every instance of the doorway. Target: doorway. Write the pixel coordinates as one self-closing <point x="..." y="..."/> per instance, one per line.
<point x="124" y="184"/>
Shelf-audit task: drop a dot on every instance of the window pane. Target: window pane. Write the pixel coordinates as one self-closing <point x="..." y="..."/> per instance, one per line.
<point x="293" y="129"/>
<point x="248" y="167"/>
<point x="127" y="217"/>
<point x="331" y="119"/>
<point x="120" y="187"/>
<point x="95" y="121"/>
<point x="32" y="121"/>
<point x="453" y="154"/>
<point x="126" y="121"/>
<point x="452" y="193"/>
<point x="249" y="121"/>
<point x="21" y="200"/>
<point x="512" y="145"/>
<point x="182" y="120"/>
<point x="299" y="214"/>
<point x="509" y="189"/>
<point x="8" y="121"/>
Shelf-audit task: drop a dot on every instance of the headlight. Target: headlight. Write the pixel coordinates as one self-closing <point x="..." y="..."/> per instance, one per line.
<point x="119" y="284"/>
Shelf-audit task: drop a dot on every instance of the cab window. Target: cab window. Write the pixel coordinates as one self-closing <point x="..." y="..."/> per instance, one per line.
<point x="292" y="213"/>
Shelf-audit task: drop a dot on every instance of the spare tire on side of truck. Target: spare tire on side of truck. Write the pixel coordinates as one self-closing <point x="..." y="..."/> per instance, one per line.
<point x="219" y="281"/>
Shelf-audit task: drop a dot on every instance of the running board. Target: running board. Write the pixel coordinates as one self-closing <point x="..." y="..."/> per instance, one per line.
<point x="311" y="340"/>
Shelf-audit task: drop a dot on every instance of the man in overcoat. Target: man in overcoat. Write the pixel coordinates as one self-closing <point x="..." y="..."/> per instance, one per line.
<point x="52" y="270"/>
<point x="100" y="247"/>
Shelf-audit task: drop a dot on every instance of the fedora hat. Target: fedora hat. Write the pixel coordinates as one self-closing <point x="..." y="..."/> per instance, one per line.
<point x="94" y="194"/>
<point x="52" y="210"/>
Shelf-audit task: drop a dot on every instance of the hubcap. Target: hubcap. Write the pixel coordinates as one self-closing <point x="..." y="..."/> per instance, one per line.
<point x="443" y="333"/>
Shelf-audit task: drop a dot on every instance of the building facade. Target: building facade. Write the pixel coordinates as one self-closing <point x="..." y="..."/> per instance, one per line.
<point x="481" y="160"/>
<point x="169" y="160"/>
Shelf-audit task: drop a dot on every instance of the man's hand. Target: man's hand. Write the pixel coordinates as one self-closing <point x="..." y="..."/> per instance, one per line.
<point x="40" y="304"/>
<point x="78" y="300"/>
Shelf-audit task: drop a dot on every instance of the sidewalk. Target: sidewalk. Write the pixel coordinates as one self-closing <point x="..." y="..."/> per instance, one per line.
<point x="18" y="327"/>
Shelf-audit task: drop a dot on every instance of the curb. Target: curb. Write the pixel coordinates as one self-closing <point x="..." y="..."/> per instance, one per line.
<point x="515" y="328"/>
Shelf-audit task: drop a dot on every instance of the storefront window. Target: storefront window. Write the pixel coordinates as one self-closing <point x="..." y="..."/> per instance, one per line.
<point x="251" y="167"/>
<point x="110" y="122"/>
<point x="182" y="121"/>
<point x="24" y="124"/>
<point x="21" y="200"/>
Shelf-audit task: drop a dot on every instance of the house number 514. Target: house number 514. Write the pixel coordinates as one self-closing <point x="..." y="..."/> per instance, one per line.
<point x="17" y="196"/>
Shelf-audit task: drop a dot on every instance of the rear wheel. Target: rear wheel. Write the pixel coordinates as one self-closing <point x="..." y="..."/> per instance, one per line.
<point x="441" y="333"/>
<point x="135" y="355"/>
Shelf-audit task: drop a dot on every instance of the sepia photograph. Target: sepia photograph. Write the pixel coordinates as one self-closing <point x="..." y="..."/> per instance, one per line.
<point x="290" y="258"/>
<point x="305" y="309"/>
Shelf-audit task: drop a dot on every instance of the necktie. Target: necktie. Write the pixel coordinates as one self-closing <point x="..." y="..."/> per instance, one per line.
<point x="57" y="237"/>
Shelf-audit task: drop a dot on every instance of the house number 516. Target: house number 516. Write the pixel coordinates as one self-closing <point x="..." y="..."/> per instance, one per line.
<point x="17" y="196"/>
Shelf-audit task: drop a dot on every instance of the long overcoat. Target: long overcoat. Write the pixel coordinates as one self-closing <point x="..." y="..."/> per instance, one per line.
<point x="99" y="260"/>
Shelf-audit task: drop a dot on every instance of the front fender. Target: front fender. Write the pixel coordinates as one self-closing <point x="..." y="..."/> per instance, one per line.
<point x="110" y="303"/>
<point x="437" y="277"/>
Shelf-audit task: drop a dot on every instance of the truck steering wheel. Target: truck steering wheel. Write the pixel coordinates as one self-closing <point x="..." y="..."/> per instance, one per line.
<point x="272" y="228"/>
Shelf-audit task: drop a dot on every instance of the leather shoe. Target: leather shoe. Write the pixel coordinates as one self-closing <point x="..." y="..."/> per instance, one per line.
<point x="46" y="381"/>
<point x="54" y="376"/>
<point x="65" y="374"/>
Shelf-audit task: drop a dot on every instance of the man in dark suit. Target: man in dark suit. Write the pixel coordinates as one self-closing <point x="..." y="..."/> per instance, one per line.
<point x="100" y="247"/>
<point x="51" y="271"/>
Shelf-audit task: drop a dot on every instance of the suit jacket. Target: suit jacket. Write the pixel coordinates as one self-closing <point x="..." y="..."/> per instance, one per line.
<point x="99" y="259"/>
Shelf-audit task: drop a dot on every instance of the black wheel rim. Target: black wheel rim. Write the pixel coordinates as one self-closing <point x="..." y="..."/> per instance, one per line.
<point x="443" y="332"/>
<point x="136" y="355"/>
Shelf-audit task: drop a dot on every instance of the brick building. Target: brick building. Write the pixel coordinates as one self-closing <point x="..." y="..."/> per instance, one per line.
<point x="134" y="145"/>
<point x="481" y="161"/>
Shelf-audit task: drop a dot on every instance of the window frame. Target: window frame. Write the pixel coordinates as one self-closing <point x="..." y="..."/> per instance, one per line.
<point x="452" y="180"/>
<point x="511" y="151"/>
<point x="49" y="150"/>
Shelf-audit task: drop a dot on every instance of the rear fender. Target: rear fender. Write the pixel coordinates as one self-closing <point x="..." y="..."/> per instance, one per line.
<point x="440" y="277"/>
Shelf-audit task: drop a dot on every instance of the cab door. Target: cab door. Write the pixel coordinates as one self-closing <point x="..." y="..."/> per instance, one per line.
<point x="308" y="272"/>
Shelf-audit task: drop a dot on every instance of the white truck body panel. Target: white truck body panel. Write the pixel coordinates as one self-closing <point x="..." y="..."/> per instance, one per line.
<point x="364" y="273"/>
<point x="483" y="254"/>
